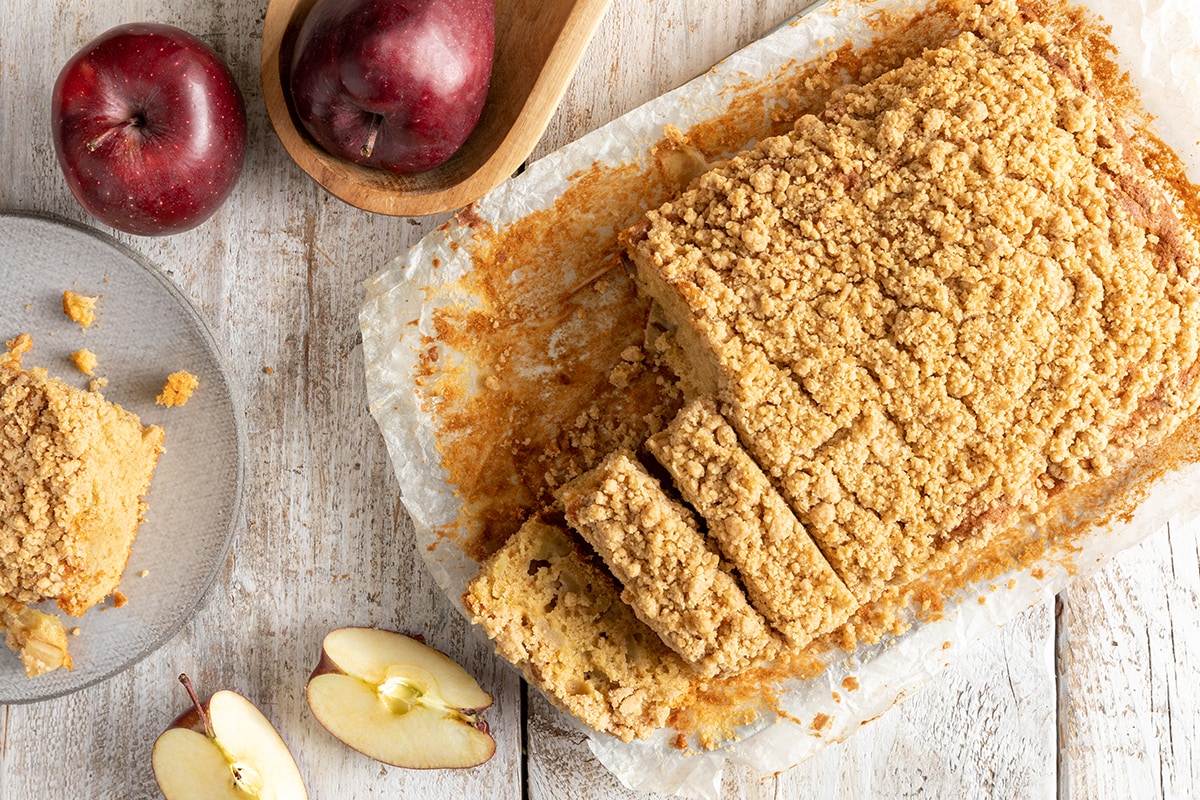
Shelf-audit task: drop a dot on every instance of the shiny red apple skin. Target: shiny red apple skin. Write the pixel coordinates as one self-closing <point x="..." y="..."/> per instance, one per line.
<point x="150" y="129"/>
<point x="415" y="70"/>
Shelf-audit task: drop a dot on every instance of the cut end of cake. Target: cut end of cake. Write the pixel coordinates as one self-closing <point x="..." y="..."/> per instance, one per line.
<point x="558" y="616"/>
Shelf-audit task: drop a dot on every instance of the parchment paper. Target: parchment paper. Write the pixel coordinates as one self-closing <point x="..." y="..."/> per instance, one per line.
<point x="1159" y="43"/>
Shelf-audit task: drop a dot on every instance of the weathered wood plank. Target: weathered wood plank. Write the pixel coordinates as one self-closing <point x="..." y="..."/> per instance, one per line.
<point x="1130" y="657"/>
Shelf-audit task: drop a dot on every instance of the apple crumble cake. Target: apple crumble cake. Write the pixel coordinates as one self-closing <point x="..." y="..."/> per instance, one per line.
<point x="671" y="577"/>
<point x="73" y="469"/>
<point x="955" y="292"/>
<point x="958" y="291"/>
<point x="785" y="575"/>
<point x="39" y="638"/>
<point x="556" y="614"/>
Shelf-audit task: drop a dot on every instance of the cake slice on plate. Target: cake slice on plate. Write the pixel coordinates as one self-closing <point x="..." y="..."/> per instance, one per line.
<point x="73" y="472"/>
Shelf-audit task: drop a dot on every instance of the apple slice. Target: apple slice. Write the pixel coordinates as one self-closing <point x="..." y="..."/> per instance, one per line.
<point x="225" y="750"/>
<point x="398" y="701"/>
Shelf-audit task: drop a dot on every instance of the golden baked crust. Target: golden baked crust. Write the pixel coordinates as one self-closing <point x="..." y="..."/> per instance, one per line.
<point x="671" y="577"/>
<point x="73" y="468"/>
<point x="951" y="294"/>
<point x="557" y="616"/>
<point x="786" y="577"/>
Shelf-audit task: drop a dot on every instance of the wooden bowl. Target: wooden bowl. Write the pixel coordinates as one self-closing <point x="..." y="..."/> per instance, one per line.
<point x="538" y="46"/>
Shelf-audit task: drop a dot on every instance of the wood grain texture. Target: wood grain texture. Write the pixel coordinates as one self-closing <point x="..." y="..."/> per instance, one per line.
<point x="1130" y="657"/>
<point x="324" y="541"/>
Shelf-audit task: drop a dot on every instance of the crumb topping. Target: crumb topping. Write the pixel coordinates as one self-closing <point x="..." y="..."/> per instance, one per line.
<point x="72" y="470"/>
<point x="955" y="290"/>
<point x="16" y="348"/>
<point x="672" y="579"/>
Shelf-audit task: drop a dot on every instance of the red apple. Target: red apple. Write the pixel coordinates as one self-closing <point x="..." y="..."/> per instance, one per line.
<point x="395" y="84"/>
<point x="150" y="129"/>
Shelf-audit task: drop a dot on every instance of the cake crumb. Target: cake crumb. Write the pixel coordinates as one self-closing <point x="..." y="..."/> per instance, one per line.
<point x="84" y="361"/>
<point x="97" y="384"/>
<point x="178" y="389"/>
<point x="76" y="630"/>
<point x="17" y="347"/>
<point x="821" y="722"/>
<point x="850" y="683"/>
<point x="79" y="308"/>
<point x="268" y="370"/>
<point x="119" y="599"/>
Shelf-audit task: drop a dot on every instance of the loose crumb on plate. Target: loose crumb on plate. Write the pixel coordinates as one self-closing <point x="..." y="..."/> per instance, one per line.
<point x="84" y="361"/>
<point x="15" y="348"/>
<point x="178" y="389"/>
<point x="79" y="308"/>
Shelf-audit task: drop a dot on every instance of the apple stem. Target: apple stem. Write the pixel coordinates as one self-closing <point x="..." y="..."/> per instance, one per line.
<point x="187" y="684"/>
<point x="94" y="144"/>
<point x="372" y="135"/>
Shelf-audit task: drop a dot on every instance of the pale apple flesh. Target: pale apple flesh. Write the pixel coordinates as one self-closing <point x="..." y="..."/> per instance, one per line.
<point x="399" y="701"/>
<point x="229" y="752"/>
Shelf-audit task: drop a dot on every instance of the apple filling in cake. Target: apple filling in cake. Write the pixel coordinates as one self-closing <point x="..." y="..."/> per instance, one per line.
<point x="957" y="292"/>
<point x="73" y="469"/>
<point x="556" y="614"/>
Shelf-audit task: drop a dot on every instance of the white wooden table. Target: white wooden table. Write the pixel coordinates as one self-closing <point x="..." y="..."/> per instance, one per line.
<point x="1095" y="698"/>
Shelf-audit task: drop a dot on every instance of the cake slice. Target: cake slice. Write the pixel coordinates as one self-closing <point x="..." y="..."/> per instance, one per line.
<point x="557" y="615"/>
<point x="787" y="578"/>
<point x="926" y="310"/>
<point x="671" y="577"/>
<point x="73" y="469"/>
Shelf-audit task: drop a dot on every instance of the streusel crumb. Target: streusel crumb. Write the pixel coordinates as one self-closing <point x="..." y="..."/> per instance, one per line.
<point x="786" y="577"/>
<point x="178" y="389"/>
<point x="79" y="308"/>
<point x="927" y="308"/>
<point x="672" y="579"/>
<point x="84" y="361"/>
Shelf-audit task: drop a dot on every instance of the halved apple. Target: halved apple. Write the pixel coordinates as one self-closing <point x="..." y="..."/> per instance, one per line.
<point x="398" y="701"/>
<point x="226" y="750"/>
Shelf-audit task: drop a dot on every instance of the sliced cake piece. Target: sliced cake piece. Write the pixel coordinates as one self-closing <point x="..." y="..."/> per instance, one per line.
<point x="73" y="469"/>
<point x="557" y="615"/>
<point x="672" y="578"/>
<point x="786" y="577"/>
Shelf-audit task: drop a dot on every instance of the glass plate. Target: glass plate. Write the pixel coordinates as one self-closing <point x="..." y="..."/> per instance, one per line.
<point x="145" y="329"/>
